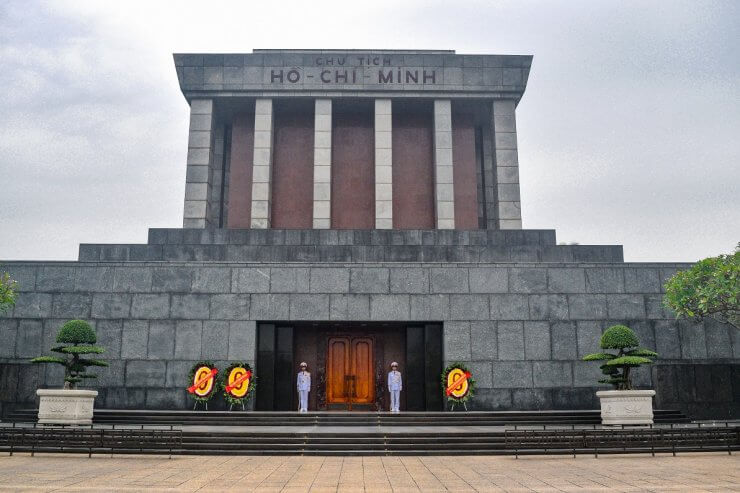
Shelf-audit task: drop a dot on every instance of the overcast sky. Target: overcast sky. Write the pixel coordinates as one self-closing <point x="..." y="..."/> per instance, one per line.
<point x="629" y="130"/>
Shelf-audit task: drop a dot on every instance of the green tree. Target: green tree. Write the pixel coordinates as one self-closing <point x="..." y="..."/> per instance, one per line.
<point x="77" y="339"/>
<point x="7" y="292"/>
<point x="617" y="369"/>
<point x="710" y="288"/>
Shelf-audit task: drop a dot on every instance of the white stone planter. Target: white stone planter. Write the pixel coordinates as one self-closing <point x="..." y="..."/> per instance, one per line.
<point x="66" y="407"/>
<point x="626" y="407"/>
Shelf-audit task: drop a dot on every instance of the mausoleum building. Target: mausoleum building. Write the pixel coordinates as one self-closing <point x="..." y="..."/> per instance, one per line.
<point x="348" y="209"/>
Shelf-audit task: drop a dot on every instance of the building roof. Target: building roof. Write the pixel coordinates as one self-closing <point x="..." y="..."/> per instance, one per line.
<point x="352" y="73"/>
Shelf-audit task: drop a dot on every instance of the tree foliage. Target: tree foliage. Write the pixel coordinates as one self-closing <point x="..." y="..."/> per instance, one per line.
<point x="7" y="292"/>
<point x="710" y="288"/>
<point x="77" y="339"/>
<point x="617" y="367"/>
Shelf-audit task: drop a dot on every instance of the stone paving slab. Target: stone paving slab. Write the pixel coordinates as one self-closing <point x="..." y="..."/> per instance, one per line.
<point x="687" y="472"/>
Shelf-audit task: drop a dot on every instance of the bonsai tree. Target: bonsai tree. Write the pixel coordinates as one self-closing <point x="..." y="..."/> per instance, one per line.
<point x="7" y="292"/>
<point x="710" y="288"/>
<point x="629" y="355"/>
<point x="77" y="340"/>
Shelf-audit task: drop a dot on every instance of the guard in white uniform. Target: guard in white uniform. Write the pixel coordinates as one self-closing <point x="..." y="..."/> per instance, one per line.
<point x="395" y="386"/>
<point x="304" y="386"/>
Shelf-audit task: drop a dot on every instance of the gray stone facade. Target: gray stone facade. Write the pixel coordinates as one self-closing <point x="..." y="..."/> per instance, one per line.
<point x="521" y="326"/>
<point x="518" y="309"/>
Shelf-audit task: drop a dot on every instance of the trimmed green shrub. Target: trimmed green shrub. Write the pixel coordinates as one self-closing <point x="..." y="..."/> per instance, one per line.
<point x="617" y="367"/>
<point x="77" y="332"/>
<point x="77" y="338"/>
<point x="618" y="337"/>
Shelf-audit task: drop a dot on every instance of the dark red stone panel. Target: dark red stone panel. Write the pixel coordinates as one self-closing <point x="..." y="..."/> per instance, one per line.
<point x="240" y="173"/>
<point x="292" y="167"/>
<point x="413" y="167"/>
<point x="353" y="168"/>
<point x="464" y="171"/>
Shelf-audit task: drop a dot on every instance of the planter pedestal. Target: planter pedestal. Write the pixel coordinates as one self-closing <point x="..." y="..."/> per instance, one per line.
<point x="626" y="407"/>
<point x="66" y="407"/>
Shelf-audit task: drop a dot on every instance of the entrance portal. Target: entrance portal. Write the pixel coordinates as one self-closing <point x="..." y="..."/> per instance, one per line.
<point x="348" y="362"/>
<point x="350" y="376"/>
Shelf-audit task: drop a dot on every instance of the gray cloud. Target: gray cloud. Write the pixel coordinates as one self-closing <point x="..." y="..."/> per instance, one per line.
<point x="628" y="130"/>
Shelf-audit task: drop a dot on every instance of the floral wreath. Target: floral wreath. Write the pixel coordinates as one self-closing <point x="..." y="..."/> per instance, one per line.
<point x="201" y="387"/>
<point x="236" y="386"/>
<point x="455" y="392"/>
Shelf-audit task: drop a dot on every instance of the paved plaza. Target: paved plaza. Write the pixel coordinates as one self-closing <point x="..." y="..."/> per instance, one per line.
<point x="687" y="472"/>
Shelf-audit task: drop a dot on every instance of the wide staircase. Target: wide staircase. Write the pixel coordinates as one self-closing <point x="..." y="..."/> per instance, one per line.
<point x="361" y="433"/>
<point x="338" y="418"/>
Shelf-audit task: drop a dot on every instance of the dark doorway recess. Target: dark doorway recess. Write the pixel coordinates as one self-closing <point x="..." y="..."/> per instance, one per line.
<point x="349" y="362"/>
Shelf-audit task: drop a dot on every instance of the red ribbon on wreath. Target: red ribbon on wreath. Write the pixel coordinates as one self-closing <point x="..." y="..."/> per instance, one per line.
<point x="457" y="383"/>
<point x="203" y="380"/>
<point x="239" y="380"/>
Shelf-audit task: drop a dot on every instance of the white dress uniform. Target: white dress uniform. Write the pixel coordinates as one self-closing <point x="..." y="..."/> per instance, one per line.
<point x="304" y="386"/>
<point x="395" y="386"/>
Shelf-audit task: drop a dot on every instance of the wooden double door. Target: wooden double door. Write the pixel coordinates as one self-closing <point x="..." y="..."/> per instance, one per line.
<point x="350" y="371"/>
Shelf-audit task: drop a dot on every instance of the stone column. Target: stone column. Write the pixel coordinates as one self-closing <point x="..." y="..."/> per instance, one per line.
<point x="487" y="185"/>
<point x="507" y="164"/>
<point x="199" y="174"/>
<point x="322" y="165"/>
<point x="383" y="164"/>
<point x="217" y="177"/>
<point x="444" y="189"/>
<point x="262" y="164"/>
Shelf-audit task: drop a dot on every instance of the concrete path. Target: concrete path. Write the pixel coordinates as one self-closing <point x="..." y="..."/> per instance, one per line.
<point x="687" y="472"/>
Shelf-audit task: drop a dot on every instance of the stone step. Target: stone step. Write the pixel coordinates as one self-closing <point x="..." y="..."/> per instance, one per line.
<point x="351" y="253"/>
<point x="256" y="418"/>
<point x="216" y="440"/>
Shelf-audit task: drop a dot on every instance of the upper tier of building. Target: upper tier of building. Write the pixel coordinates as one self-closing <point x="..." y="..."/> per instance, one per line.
<point x="352" y="139"/>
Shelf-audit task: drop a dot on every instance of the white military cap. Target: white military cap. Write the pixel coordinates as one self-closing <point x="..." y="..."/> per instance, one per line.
<point x="394" y="364"/>
<point x="303" y="363"/>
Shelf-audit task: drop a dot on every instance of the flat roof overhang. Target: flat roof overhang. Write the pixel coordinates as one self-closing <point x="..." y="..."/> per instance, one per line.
<point x="352" y="73"/>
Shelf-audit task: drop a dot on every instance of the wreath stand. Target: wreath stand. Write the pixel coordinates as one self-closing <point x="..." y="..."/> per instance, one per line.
<point x="452" y="407"/>
<point x="202" y="373"/>
<point x="458" y="385"/>
<point x="230" y="380"/>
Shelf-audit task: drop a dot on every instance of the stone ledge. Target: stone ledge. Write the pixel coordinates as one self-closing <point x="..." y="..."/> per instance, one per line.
<point x="352" y="253"/>
<point x="349" y="237"/>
